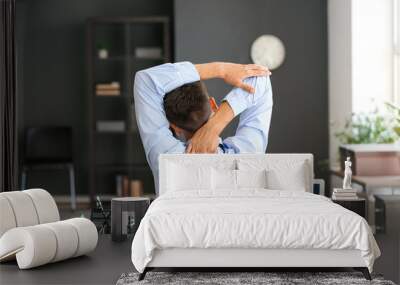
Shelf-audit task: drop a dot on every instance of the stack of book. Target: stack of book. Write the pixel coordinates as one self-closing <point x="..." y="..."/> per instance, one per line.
<point x="344" y="194"/>
<point x="126" y="187"/>
<point x="148" y="52"/>
<point x="110" y="126"/>
<point x="108" y="89"/>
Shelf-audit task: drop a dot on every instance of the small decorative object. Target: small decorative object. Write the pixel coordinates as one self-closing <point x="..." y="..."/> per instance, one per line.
<point x="347" y="174"/>
<point x="126" y="214"/>
<point x="101" y="217"/>
<point x="136" y="188"/>
<point x="347" y="192"/>
<point x="102" y="51"/>
<point x="268" y="50"/>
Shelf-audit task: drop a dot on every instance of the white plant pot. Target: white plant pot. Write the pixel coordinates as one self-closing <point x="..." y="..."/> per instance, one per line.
<point x="103" y="53"/>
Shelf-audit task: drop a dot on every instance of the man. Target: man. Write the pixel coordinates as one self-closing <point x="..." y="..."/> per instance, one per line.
<point x="174" y="115"/>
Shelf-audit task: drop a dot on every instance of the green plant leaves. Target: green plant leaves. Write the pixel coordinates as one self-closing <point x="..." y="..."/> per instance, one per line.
<point x="370" y="128"/>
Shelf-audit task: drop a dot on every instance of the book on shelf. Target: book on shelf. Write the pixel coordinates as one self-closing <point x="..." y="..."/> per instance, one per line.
<point x="126" y="187"/>
<point x="118" y="179"/>
<point x="340" y="190"/>
<point x="108" y="92"/>
<point x="108" y="89"/>
<point x="108" y="86"/>
<point x="110" y="126"/>
<point x="344" y="194"/>
<point x="136" y="188"/>
<point x="148" y="52"/>
<point x="350" y="198"/>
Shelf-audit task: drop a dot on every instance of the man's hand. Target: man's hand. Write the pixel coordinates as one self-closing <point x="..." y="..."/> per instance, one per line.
<point x="232" y="73"/>
<point x="206" y="139"/>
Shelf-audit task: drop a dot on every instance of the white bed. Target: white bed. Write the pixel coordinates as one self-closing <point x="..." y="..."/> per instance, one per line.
<point x="202" y="219"/>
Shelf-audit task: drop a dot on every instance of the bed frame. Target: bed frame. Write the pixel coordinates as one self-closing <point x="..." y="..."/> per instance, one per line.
<point x="242" y="259"/>
<point x="246" y="259"/>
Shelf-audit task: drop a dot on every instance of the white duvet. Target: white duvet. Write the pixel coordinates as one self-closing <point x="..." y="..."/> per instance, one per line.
<point x="253" y="218"/>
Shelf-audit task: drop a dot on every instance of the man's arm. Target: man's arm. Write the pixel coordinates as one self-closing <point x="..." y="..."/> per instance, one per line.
<point x="150" y="87"/>
<point x="205" y="140"/>
<point x="255" y="116"/>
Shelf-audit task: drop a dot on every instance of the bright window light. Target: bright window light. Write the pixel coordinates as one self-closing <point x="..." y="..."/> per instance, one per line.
<point x="396" y="42"/>
<point x="375" y="54"/>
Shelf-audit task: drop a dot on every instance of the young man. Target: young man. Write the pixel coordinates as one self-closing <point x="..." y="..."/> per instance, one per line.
<point x="174" y="115"/>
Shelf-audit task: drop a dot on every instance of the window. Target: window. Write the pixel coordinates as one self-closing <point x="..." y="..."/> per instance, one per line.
<point x="375" y="53"/>
<point x="396" y="41"/>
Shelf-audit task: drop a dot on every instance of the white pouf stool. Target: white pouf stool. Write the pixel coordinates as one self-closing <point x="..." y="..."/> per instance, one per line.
<point x="31" y="233"/>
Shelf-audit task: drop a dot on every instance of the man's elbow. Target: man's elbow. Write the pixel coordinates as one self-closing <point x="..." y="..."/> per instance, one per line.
<point x="258" y="144"/>
<point x="140" y="77"/>
<point x="261" y="145"/>
<point x="141" y="85"/>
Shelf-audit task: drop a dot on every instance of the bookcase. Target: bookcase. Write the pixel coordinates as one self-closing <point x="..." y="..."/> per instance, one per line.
<point x="117" y="47"/>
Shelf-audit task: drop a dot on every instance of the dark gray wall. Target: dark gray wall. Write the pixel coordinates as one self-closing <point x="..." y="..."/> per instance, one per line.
<point x="52" y="87"/>
<point x="224" y="30"/>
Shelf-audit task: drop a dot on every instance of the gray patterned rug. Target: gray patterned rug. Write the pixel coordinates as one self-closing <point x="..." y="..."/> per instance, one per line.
<point x="243" y="278"/>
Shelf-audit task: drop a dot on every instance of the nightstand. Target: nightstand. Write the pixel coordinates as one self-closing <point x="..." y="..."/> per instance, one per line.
<point x="357" y="205"/>
<point x="387" y="213"/>
<point x="126" y="214"/>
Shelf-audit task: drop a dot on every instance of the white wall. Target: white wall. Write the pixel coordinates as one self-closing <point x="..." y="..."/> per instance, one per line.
<point x="339" y="71"/>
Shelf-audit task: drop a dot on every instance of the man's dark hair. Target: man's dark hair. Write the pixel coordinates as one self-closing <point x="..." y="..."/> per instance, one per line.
<point x="187" y="106"/>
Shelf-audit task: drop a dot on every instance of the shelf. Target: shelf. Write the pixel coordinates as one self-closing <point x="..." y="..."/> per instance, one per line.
<point x="122" y="96"/>
<point x="124" y="149"/>
<point x="127" y="57"/>
<point x="115" y="132"/>
<point x="112" y="58"/>
<point x="123" y="166"/>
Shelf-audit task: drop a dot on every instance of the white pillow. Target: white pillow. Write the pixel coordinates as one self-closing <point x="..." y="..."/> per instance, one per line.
<point x="291" y="178"/>
<point x="224" y="179"/>
<point x="187" y="177"/>
<point x="280" y="174"/>
<point x="251" y="178"/>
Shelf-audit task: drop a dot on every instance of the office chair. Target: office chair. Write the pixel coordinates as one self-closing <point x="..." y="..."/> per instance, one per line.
<point x="49" y="148"/>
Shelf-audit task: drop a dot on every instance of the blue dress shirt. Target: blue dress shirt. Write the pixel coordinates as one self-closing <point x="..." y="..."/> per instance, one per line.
<point x="152" y="84"/>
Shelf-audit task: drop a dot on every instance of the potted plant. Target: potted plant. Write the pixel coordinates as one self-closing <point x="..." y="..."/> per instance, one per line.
<point x="368" y="138"/>
<point x="395" y="110"/>
<point x="367" y="128"/>
<point x="102" y="51"/>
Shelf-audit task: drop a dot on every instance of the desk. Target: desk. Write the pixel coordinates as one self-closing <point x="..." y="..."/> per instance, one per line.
<point x="370" y="186"/>
<point x="369" y="182"/>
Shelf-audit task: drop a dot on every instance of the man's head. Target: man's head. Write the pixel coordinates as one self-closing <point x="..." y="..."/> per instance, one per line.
<point x="187" y="108"/>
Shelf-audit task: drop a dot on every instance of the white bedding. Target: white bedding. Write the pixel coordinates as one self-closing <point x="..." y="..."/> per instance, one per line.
<point x="251" y="218"/>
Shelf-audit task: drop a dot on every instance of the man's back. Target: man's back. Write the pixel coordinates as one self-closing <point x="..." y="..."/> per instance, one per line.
<point x="152" y="84"/>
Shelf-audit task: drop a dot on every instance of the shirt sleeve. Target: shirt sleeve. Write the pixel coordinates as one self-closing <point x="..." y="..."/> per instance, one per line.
<point x="150" y="87"/>
<point x="255" y="116"/>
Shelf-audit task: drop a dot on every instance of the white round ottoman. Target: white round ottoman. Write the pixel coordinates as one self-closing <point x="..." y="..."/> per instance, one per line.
<point x="31" y="232"/>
